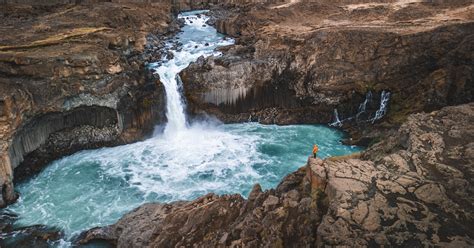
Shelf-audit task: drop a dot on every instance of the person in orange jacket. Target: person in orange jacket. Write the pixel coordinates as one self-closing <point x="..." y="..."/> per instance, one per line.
<point x="315" y="150"/>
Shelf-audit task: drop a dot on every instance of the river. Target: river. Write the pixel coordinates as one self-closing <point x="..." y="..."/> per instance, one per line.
<point x="181" y="161"/>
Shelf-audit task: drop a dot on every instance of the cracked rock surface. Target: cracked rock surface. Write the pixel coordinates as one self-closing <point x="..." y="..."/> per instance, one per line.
<point x="414" y="189"/>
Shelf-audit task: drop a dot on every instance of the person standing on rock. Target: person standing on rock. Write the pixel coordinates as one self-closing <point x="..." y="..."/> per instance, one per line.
<point x="315" y="150"/>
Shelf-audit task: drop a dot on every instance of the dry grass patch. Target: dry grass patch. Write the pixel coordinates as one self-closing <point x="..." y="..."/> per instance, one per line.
<point x="55" y="39"/>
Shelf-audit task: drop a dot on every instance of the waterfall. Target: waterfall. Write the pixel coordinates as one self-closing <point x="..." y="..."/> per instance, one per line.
<point x="337" y="122"/>
<point x="194" y="47"/>
<point x="384" y="99"/>
<point x="382" y="110"/>
<point x="363" y="105"/>
<point x="174" y="103"/>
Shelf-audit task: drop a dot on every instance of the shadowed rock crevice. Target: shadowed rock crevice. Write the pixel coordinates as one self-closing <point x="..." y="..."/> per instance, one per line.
<point x="53" y="135"/>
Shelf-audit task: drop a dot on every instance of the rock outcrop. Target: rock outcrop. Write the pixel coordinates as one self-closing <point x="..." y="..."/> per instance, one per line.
<point x="284" y="217"/>
<point x="414" y="189"/>
<point x="186" y="5"/>
<point x="297" y="63"/>
<point x="73" y="77"/>
<point x="31" y="236"/>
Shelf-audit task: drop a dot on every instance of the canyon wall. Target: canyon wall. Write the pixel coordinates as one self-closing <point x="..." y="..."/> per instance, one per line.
<point x="298" y="64"/>
<point x="73" y="77"/>
<point x="180" y="5"/>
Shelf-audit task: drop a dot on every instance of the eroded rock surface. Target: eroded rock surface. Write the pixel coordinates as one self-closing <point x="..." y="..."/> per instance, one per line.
<point x="413" y="189"/>
<point x="285" y="217"/>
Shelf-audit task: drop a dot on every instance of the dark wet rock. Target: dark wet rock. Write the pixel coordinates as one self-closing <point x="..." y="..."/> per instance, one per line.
<point x="6" y="221"/>
<point x="32" y="236"/>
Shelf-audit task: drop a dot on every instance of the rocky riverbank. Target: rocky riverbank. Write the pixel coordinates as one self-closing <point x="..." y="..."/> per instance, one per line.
<point x="414" y="189"/>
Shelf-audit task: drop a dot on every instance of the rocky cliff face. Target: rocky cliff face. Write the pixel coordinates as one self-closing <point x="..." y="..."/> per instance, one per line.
<point x="414" y="189"/>
<point x="73" y="77"/>
<point x="297" y="63"/>
<point x="186" y="5"/>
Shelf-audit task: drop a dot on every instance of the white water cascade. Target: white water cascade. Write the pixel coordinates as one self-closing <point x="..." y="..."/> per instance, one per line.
<point x="384" y="100"/>
<point x="169" y="70"/>
<point x="381" y="112"/>
<point x="363" y="105"/>
<point x="337" y="122"/>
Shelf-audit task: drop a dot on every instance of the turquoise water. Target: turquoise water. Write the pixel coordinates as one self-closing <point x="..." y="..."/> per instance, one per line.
<point x="96" y="187"/>
<point x="184" y="161"/>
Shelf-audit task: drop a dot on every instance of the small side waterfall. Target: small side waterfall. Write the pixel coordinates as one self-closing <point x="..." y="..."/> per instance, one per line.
<point x="363" y="113"/>
<point x="363" y="105"/>
<point x="384" y="100"/>
<point x="337" y="122"/>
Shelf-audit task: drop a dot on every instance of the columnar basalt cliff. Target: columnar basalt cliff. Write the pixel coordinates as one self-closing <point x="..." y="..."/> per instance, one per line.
<point x="72" y="77"/>
<point x="412" y="190"/>
<point x="297" y="63"/>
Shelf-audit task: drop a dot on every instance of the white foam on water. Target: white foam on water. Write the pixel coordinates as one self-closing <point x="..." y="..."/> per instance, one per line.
<point x="96" y="187"/>
<point x="175" y="165"/>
